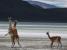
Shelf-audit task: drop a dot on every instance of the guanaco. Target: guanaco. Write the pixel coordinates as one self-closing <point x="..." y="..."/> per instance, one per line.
<point x="13" y="32"/>
<point x="54" y="39"/>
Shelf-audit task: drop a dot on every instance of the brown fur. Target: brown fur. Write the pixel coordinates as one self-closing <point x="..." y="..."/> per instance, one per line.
<point x="14" y="35"/>
<point x="54" y="39"/>
<point x="13" y="32"/>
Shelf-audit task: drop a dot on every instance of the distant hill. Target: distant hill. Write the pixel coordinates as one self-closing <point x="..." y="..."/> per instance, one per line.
<point x="42" y="5"/>
<point x="19" y="9"/>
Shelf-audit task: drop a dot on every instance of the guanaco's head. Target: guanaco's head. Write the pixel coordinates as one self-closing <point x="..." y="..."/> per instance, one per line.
<point x="14" y="23"/>
<point x="47" y="33"/>
<point x="9" y="18"/>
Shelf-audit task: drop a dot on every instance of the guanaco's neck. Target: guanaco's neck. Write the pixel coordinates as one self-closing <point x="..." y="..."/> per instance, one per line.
<point x="10" y="23"/>
<point x="14" y="26"/>
<point x="49" y="36"/>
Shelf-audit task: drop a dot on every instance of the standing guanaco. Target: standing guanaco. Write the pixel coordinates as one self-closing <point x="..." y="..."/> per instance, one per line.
<point x="13" y="32"/>
<point x="54" y="39"/>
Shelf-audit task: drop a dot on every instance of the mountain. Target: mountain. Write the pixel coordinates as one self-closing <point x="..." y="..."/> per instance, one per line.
<point x="42" y="5"/>
<point x="18" y="9"/>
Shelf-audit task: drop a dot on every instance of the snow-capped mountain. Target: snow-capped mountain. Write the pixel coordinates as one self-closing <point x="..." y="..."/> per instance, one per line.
<point x="42" y="5"/>
<point x="47" y="4"/>
<point x="18" y="9"/>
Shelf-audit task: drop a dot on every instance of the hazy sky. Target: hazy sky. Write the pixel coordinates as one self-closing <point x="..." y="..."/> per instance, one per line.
<point x="59" y="3"/>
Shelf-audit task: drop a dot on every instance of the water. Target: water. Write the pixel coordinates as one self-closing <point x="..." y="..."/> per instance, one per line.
<point x="34" y="36"/>
<point x="29" y="44"/>
<point x="36" y="29"/>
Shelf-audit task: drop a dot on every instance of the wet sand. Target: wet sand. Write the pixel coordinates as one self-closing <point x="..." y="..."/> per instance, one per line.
<point x="32" y="44"/>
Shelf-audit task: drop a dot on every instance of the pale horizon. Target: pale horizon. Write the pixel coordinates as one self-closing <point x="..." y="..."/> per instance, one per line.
<point x="34" y="29"/>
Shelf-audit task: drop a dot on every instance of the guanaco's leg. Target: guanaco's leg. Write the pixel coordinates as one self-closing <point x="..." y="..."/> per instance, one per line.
<point x="51" y="44"/>
<point x="13" y="41"/>
<point x="18" y="41"/>
<point x="60" y="43"/>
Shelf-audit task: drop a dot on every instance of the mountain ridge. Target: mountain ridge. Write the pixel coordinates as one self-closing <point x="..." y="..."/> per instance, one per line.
<point x="18" y="9"/>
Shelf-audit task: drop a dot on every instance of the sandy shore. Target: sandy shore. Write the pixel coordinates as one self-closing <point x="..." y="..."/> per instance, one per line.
<point x="32" y="44"/>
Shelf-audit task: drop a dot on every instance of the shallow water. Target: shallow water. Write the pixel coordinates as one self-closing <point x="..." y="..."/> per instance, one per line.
<point x="36" y="29"/>
<point x="28" y="30"/>
<point x="33" y="45"/>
